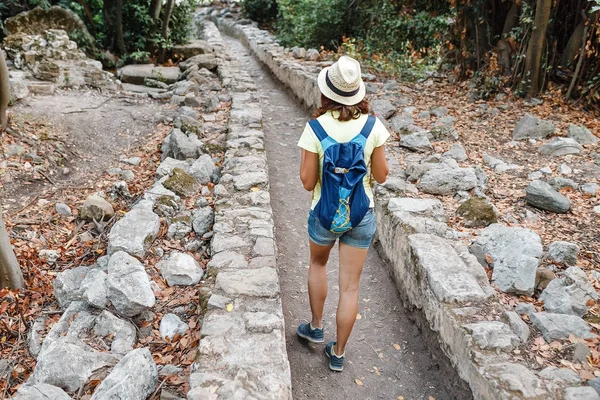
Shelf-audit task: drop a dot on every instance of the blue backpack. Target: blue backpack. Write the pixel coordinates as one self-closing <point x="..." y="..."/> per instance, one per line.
<point x="343" y="202"/>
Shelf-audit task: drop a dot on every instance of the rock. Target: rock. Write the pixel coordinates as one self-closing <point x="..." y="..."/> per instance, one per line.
<point x="18" y="90"/>
<point x="262" y="322"/>
<point x="518" y="326"/>
<point x="34" y="339"/>
<point x="439" y="111"/>
<point x="431" y="208"/>
<point x="493" y="335"/>
<point x="582" y="135"/>
<point x="442" y="132"/>
<point x="543" y="277"/>
<point x="134" y="232"/>
<point x="262" y="282"/>
<point x="96" y="208"/>
<point x="590" y="189"/>
<point x="68" y="363"/>
<point x="448" y="181"/>
<point x="560" y="146"/>
<point x="93" y="288"/>
<point x="204" y="170"/>
<point x="530" y="127"/>
<point x="580" y="352"/>
<point x="570" y="294"/>
<point x="563" y="252"/>
<point x="565" y="375"/>
<point x="595" y="383"/>
<point x="128" y="285"/>
<point x="565" y="169"/>
<point x="180" y="146"/>
<point x="137" y="74"/>
<point x="541" y="195"/>
<point x="182" y="183"/>
<point x="179" y="230"/>
<point x="514" y="254"/>
<point x="203" y="219"/>
<point x="498" y="165"/>
<point x="192" y="48"/>
<point x="169" y="164"/>
<point x="171" y="325"/>
<point x="525" y="308"/>
<point x="67" y="284"/>
<point x="124" y="334"/>
<point x="560" y="326"/>
<point x="417" y="141"/>
<point x="597" y="209"/>
<point x="133" y="378"/>
<point x="457" y="152"/>
<point x="207" y="61"/>
<point x="40" y="391"/>
<point x="298" y="52"/>
<point x="477" y="212"/>
<point x="312" y="55"/>
<point x="535" y="175"/>
<point x="581" y="393"/>
<point x="63" y="209"/>
<point x="401" y="122"/>
<point x="559" y="183"/>
<point x="50" y="256"/>
<point x="518" y="380"/>
<point x="181" y="269"/>
<point x="383" y="108"/>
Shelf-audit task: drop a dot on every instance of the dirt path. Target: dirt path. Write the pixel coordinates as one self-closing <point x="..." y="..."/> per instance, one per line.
<point x="93" y="130"/>
<point x="383" y="371"/>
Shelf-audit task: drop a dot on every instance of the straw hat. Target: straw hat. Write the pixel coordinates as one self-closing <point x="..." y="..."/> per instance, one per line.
<point x="342" y="82"/>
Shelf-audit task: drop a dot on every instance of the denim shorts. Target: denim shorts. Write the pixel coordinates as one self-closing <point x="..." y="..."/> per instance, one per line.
<point x="359" y="236"/>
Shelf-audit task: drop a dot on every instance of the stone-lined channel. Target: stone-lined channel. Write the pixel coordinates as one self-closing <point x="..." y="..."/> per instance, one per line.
<point x="372" y="355"/>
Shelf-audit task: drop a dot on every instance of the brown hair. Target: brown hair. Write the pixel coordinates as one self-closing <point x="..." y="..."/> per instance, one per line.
<point x="346" y="112"/>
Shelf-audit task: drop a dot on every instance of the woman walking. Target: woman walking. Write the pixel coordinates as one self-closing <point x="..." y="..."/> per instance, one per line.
<point x="342" y="152"/>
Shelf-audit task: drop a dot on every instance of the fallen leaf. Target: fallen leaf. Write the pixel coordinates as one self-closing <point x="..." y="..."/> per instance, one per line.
<point x="400" y="398"/>
<point x="358" y="382"/>
<point x="358" y="316"/>
<point x="396" y="346"/>
<point x="489" y="259"/>
<point x="255" y="189"/>
<point x="229" y="307"/>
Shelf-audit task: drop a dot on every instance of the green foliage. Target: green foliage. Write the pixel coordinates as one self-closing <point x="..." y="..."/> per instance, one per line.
<point x="311" y="23"/>
<point x="261" y="11"/>
<point x="180" y="24"/>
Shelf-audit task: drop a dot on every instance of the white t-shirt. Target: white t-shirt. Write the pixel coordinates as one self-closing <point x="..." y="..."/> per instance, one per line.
<point x="343" y="132"/>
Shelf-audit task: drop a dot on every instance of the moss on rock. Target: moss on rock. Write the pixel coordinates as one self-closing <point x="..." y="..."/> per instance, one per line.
<point x="477" y="213"/>
<point x="182" y="183"/>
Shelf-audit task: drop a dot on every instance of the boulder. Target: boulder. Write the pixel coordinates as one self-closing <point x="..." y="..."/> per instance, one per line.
<point x="417" y="141"/>
<point x="171" y="325"/>
<point x="431" y="208"/>
<point x="134" y="233"/>
<point x="541" y="195"/>
<point x="40" y="391"/>
<point x="560" y="326"/>
<point x="477" y="212"/>
<point x="563" y="252"/>
<point x="383" y="108"/>
<point x="590" y="189"/>
<point x="298" y="52"/>
<point x="133" y="378"/>
<point x="96" y="208"/>
<point x="514" y="254"/>
<point x="565" y="375"/>
<point x="203" y="219"/>
<point x="312" y="55"/>
<point x="493" y="335"/>
<point x="182" y="183"/>
<point x="531" y="127"/>
<point x="439" y="111"/>
<point x="582" y="134"/>
<point x="68" y="363"/>
<point x="518" y="379"/>
<point x="401" y="122"/>
<point x="447" y="181"/>
<point x="560" y="147"/>
<point x="192" y="48"/>
<point x="442" y="132"/>
<point x="169" y="164"/>
<point x="93" y="288"/>
<point x="67" y="285"/>
<point x="123" y="333"/>
<point x="181" y="269"/>
<point x="570" y="294"/>
<point x="207" y="61"/>
<point x="559" y="183"/>
<point x="518" y="326"/>
<point x="128" y="285"/>
<point x="581" y="393"/>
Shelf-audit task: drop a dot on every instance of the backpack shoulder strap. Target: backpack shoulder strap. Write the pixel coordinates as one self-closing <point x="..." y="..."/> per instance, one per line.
<point x="366" y="130"/>
<point x="318" y="129"/>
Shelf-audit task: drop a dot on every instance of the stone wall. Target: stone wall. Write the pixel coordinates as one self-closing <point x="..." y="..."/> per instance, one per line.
<point x="435" y="273"/>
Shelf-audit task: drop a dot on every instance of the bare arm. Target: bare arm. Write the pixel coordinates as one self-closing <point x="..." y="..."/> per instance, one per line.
<point x="379" y="167"/>
<point x="309" y="169"/>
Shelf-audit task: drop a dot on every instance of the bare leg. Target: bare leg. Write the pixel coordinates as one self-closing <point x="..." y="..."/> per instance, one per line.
<point x="352" y="260"/>
<point x="317" y="281"/>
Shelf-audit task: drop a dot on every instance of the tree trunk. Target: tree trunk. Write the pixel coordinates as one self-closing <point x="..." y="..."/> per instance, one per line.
<point x="533" y="60"/>
<point x="512" y="19"/>
<point x="155" y="7"/>
<point x="4" y="92"/>
<point x="162" y="52"/>
<point x="107" y="11"/>
<point x="10" y="272"/>
<point x="573" y="46"/>
<point x="119" y="27"/>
